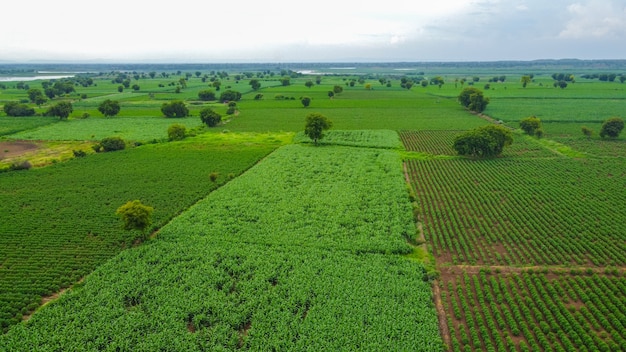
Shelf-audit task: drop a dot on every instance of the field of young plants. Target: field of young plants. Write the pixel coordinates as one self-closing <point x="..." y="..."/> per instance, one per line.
<point x="262" y="241"/>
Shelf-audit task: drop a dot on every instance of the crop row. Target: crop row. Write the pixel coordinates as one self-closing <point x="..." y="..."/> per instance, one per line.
<point x="58" y="223"/>
<point x="440" y="143"/>
<point x="523" y="211"/>
<point x="297" y="253"/>
<point x="531" y="312"/>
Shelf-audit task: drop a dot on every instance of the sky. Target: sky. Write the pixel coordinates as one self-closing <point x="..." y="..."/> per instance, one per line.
<point x="311" y="31"/>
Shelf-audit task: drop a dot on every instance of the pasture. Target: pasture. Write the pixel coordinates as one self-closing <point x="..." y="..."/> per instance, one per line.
<point x="295" y="246"/>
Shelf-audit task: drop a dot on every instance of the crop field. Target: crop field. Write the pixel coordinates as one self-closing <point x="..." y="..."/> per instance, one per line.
<point x="379" y="238"/>
<point x="309" y="260"/>
<point x="58" y="222"/>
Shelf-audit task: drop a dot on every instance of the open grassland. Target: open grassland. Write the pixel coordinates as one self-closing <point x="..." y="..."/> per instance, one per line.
<point x="58" y="223"/>
<point x="306" y="260"/>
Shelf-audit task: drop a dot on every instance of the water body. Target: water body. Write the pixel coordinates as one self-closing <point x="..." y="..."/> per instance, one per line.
<point x="32" y="78"/>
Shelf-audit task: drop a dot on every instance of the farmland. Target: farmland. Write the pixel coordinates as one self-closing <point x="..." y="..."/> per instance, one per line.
<point x="329" y="247"/>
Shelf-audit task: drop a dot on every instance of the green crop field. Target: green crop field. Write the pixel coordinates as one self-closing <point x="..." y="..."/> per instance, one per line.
<point x="380" y="238"/>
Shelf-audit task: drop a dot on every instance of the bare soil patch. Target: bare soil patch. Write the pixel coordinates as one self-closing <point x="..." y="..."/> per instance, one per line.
<point x="15" y="148"/>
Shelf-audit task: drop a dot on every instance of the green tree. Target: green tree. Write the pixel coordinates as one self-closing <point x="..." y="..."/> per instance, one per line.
<point x="530" y="125"/>
<point x="36" y="96"/>
<point x="210" y="117"/>
<point x="525" y="80"/>
<point x="285" y="81"/>
<point x="230" y="95"/>
<point x="255" y="84"/>
<point x="308" y="84"/>
<point x="135" y="215"/>
<point x="111" y="144"/>
<point x="175" y="108"/>
<point x="207" y="95"/>
<point x="331" y="94"/>
<point x="306" y="101"/>
<point x="337" y="89"/>
<point x="473" y="99"/>
<point x="62" y="110"/>
<point x="483" y="142"/>
<point x="612" y="127"/>
<point x="316" y="124"/>
<point x="109" y="108"/>
<point x="13" y="108"/>
<point x="176" y="132"/>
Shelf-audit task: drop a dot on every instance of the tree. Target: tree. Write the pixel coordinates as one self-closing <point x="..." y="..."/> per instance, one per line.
<point x="176" y="132"/>
<point x="483" y="142"/>
<point x="135" y="215"/>
<point x="306" y="101"/>
<point x="36" y="96"/>
<point x="207" y="95"/>
<point x="285" y="81"/>
<point x="337" y="89"/>
<point x="255" y="84"/>
<point x="308" y="84"/>
<point x="210" y="117"/>
<point x="473" y="99"/>
<point x="175" y="108"/>
<point x="62" y="110"/>
<point x="316" y="124"/>
<point x="530" y="125"/>
<point x="109" y="107"/>
<point x="612" y="127"/>
<point x="331" y="94"/>
<point x="525" y="80"/>
<point x="13" y="108"/>
<point x="230" y="95"/>
<point x="111" y="144"/>
<point x="587" y="131"/>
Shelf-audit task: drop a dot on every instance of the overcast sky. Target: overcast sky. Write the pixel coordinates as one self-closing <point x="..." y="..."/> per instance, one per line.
<point x="320" y="30"/>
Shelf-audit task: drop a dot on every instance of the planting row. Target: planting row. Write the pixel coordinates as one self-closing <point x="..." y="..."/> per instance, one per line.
<point x="523" y="211"/>
<point x="530" y="312"/>
<point x="58" y="223"/>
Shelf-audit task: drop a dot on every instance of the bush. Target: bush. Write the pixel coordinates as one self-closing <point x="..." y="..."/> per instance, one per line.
<point x="230" y="95"/>
<point x="110" y="144"/>
<point x="473" y="99"/>
<point x="79" y="153"/>
<point x="482" y="142"/>
<point x="612" y="127"/>
<point x="210" y="117"/>
<point x="175" y="108"/>
<point x="207" y="95"/>
<point x="176" y="132"/>
<point x="530" y="125"/>
<point x="17" y="109"/>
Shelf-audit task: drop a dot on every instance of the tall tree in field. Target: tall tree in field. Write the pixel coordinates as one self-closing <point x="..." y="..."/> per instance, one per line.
<point x="306" y="101"/>
<point x="62" y="110"/>
<point x="525" y="80"/>
<point x="473" y="99"/>
<point x="612" y="127"/>
<point x="316" y="124"/>
<point x="530" y="125"/>
<point x="483" y="142"/>
<point x="210" y="117"/>
<point x="109" y="108"/>
<point x="255" y="84"/>
<point x="135" y="215"/>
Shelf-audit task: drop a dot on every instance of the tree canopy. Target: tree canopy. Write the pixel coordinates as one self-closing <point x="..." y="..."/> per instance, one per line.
<point x="210" y="117"/>
<point x="612" y="127"/>
<point x="531" y="125"/>
<point x="230" y="95"/>
<point x="62" y="110"/>
<point x="135" y="215"/>
<point x="175" y="108"/>
<point x="109" y="107"/>
<point x="316" y="124"/>
<point x="483" y="142"/>
<point x="473" y="99"/>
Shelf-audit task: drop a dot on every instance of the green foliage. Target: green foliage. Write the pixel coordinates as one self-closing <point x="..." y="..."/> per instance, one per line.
<point x="230" y="95"/>
<point x="109" y="107"/>
<point x="530" y="124"/>
<point x="13" y="108"/>
<point x="210" y="117"/>
<point x="315" y="126"/>
<point x="586" y="131"/>
<point x="207" y="95"/>
<point x="175" y="108"/>
<point x="176" y="132"/>
<point x="135" y="215"/>
<point x="483" y="142"/>
<point x="306" y="101"/>
<point x="62" y="110"/>
<point x="110" y="144"/>
<point x="473" y="99"/>
<point x="612" y="127"/>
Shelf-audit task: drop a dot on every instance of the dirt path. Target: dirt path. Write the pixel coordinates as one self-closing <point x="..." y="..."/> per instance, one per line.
<point x="15" y="148"/>
<point x="48" y="299"/>
<point x="441" y="314"/>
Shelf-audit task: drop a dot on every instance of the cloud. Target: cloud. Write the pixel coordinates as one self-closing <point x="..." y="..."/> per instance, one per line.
<point x="601" y="19"/>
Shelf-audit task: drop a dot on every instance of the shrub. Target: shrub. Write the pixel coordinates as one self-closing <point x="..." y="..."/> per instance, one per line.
<point x="176" y="132"/>
<point x="110" y="144"/>
<point x="612" y="127"/>
<point x="175" y="108"/>
<point x="210" y="117"/>
<point x="530" y="124"/>
<point x="213" y="176"/>
<point x="20" y="165"/>
<point x="485" y="141"/>
<point x="79" y="153"/>
<point x="473" y="99"/>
